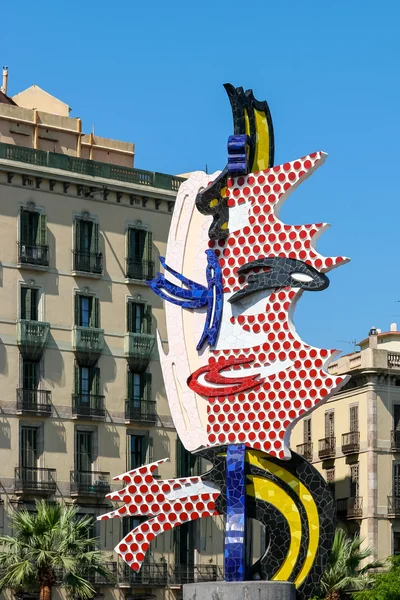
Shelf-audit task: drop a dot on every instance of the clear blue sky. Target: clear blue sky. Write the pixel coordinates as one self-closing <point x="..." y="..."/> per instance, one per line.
<point x="152" y="73"/>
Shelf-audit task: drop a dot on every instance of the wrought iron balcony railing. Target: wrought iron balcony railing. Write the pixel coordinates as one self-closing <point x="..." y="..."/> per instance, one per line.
<point x="33" y="255"/>
<point x="351" y="442"/>
<point x="92" y="168"/>
<point x="154" y="573"/>
<point x="327" y="448"/>
<point x="89" y="483"/>
<point x="34" y="402"/>
<point x="140" y="411"/>
<point x="88" y="406"/>
<point x="182" y="574"/>
<point x="355" y="507"/>
<point x="97" y="579"/>
<point x="88" y="262"/>
<point x="138" y="350"/>
<point x="35" y="480"/>
<point x="88" y="344"/>
<point x="395" y="440"/>
<point x="305" y="450"/>
<point x="393" y="506"/>
<point x="139" y="269"/>
<point x="32" y="338"/>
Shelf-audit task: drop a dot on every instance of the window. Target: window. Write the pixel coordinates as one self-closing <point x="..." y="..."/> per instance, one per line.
<point x="330" y="478"/>
<point x="329" y="424"/>
<point x="87" y="383"/>
<point x="30" y="375"/>
<point x="86" y="311"/>
<point x="396" y="417"/>
<point x="87" y="257"/>
<point x="33" y="247"/>
<point x="396" y="543"/>
<point x="354" y="480"/>
<point x="140" y="450"/>
<point x="307" y="431"/>
<point x="139" y="388"/>
<point x="83" y="454"/>
<point x="138" y="317"/>
<point x="140" y="263"/>
<point x="29" y="304"/>
<point x="396" y="481"/>
<point x="187" y="464"/>
<point x="353" y="418"/>
<point x="29" y="451"/>
<point x="130" y="523"/>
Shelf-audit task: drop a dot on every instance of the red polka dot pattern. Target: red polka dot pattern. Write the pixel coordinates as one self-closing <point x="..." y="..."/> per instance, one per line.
<point x="144" y="495"/>
<point x="261" y="415"/>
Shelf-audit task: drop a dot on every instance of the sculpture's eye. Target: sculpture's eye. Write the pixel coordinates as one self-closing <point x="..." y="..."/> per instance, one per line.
<point x="302" y="277"/>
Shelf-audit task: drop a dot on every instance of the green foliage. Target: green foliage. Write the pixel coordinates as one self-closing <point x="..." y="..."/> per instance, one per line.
<point x="49" y="547"/>
<point x="386" y="585"/>
<point x="345" y="573"/>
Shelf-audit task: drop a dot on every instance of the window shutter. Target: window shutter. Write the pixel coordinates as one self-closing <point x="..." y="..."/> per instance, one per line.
<point x="129" y="316"/>
<point x="146" y="379"/>
<point x="150" y="452"/>
<point x="147" y="320"/>
<point x="131" y="243"/>
<point x="148" y="246"/>
<point x="77" y="379"/>
<point x="130" y="385"/>
<point x="95" y="381"/>
<point x="147" y="450"/>
<point x="41" y="235"/>
<point x="94" y="240"/>
<point x="24" y="218"/>
<point x="77" y="309"/>
<point x="28" y="304"/>
<point x="94" y="314"/>
<point x="78" y="229"/>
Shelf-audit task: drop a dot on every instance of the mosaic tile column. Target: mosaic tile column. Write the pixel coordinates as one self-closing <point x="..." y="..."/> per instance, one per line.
<point x="235" y="531"/>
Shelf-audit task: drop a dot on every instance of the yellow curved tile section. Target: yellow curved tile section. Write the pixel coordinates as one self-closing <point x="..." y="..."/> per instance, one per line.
<point x="270" y="492"/>
<point x="261" y="155"/>
<point x="258" y="459"/>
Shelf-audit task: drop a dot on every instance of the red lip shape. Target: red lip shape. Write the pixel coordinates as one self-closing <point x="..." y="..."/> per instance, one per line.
<point x="213" y="375"/>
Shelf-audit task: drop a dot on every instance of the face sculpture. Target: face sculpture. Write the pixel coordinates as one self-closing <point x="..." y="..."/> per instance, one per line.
<point x="236" y="374"/>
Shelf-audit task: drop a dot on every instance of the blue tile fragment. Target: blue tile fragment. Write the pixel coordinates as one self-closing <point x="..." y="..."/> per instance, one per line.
<point x="235" y="531"/>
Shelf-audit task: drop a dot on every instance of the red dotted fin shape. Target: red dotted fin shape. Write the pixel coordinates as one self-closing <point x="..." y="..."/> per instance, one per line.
<point x="144" y="495"/>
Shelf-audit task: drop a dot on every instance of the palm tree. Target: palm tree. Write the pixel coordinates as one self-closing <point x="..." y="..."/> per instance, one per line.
<point x="49" y="547"/>
<point x="345" y="572"/>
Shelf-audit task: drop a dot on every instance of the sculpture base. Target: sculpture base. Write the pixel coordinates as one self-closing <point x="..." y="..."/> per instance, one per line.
<point x="240" y="590"/>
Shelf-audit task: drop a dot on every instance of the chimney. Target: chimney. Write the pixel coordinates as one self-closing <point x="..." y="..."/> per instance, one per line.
<point x="393" y="326"/>
<point x="373" y="337"/>
<point x="5" y="80"/>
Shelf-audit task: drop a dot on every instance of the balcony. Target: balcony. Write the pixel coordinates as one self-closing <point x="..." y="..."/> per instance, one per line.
<point x="305" y="450"/>
<point x="32" y="338"/>
<point x="88" y="262"/>
<point x="395" y="440"/>
<point x="89" y="483"/>
<point x="98" y="580"/>
<point x="140" y="411"/>
<point x="182" y="574"/>
<point x="393" y="360"/>
<point x="327" y="448"/>
<point x="349" y="508"/>
<point x="91" y="168"/>
<point x="355" y="507"/>
<point x="88" y="406"/>
<point x="394" y="507"/>
<point x="87" y="343"/>
<point x="150" y="574"/>
<point x="138" y="349"/>
<point x="351" y="442"/>
<point x="142" y="270"/>
<point x="33" y="255"/>
<point x="35" y="481"/>
<point x="34" y="402"/>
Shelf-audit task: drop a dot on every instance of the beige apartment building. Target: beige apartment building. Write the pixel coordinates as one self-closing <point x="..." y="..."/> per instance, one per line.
<point x="82" y="392"/>
<point x="354" y="441"/>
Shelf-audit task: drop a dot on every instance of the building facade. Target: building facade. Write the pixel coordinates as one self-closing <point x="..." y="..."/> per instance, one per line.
<point x="83" y="398"/>
<point x="354" y="441"/>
